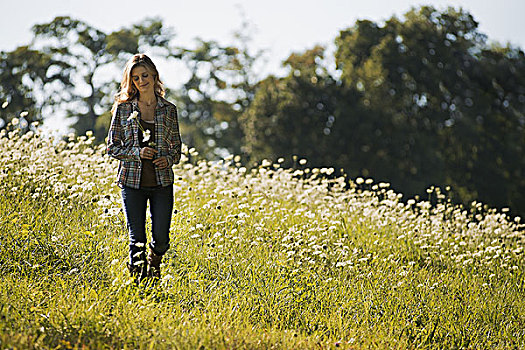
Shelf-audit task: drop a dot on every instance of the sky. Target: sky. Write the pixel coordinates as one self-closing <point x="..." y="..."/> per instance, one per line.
<point x="279" y="26"/>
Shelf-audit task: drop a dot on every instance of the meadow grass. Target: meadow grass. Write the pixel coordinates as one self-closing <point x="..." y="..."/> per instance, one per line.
<point x="260" y="258"/>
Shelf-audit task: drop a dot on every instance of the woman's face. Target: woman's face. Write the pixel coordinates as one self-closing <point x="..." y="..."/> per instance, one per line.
<point x="142" y="79"/>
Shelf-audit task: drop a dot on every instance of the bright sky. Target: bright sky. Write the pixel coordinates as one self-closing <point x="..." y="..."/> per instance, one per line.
<point x="281" y="26"/>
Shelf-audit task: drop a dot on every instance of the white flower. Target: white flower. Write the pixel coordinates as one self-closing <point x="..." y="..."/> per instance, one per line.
<point x="146" y="134"/>
<point x="167" y="277"/>
<point x="133" y="115"/>
<point x="302" y="161"/>
<point x="5" y="104"/>
<point x="266" y="163"/>
<point x="14" y="121"/>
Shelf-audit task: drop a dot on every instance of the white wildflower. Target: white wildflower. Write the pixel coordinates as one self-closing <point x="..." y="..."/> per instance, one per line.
<point x="133" y="115"/>
<point x="266" y="163"/>
<point x="146" y="134"/>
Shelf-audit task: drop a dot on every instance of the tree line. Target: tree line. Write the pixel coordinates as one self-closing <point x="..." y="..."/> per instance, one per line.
<point x="423" y="100"/>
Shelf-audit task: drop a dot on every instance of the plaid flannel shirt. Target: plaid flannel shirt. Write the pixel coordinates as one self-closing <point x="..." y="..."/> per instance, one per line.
<point x="123" y="142"/>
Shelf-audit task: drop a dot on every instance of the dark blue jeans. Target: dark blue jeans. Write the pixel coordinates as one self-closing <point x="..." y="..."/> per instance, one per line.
<point x="161" y="206"/>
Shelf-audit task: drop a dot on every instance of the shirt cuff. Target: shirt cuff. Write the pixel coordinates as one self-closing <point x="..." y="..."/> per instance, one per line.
<point x="170" y="161"/>
<point x="136" y="152"/>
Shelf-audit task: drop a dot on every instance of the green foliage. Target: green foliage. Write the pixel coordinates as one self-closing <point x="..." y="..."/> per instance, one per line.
<point x="23" y="72"/>
<point x="417" y="102"/>
<point x="267" y="258"/>
<point x="294" y="114"/>
<point x="444" y="100"/>
<point x="220" y="88"/>
<point x="88" y="50"/>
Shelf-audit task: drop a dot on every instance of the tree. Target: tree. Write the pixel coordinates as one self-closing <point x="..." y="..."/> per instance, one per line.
<point x="23" y="74"/>
<point x="221" y="86"/>
<point x="86" y="50"/>
<point x="296" y="114"/>
<point x="415" y="102"/>
<point x="446" y="103"/>
<point x="496" y="161"/>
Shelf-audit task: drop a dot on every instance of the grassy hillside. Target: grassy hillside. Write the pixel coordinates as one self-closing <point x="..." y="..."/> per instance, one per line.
<point x="268" y="258"/>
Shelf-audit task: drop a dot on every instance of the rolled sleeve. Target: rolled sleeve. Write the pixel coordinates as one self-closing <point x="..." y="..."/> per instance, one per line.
<point x="117" y="147"/>
<point x="174" y="151"/>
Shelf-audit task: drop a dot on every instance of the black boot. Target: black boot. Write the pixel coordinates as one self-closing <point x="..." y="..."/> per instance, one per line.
<point x="138" y="269"/>
<point x="154" y="261"/>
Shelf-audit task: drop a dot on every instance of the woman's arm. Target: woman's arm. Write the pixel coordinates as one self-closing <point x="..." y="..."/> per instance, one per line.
<point x="115" y="147"/>
<point x="174" y="142"/>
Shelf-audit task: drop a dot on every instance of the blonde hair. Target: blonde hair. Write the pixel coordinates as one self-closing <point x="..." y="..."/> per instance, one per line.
<point x="128" y="91"/>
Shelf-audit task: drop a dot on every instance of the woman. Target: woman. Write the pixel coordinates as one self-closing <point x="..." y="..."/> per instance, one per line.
<point x="144" y="136"/>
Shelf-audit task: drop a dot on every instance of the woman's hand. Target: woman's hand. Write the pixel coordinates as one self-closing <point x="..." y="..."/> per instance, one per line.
<point x="161" y="162"/>
<point x="148" y="153"/>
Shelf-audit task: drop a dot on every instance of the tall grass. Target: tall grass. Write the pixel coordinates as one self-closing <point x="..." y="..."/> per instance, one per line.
<point x="261" y="258"/>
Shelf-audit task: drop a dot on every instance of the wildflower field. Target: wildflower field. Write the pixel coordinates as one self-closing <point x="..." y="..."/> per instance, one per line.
<point x="260" y="258"/>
